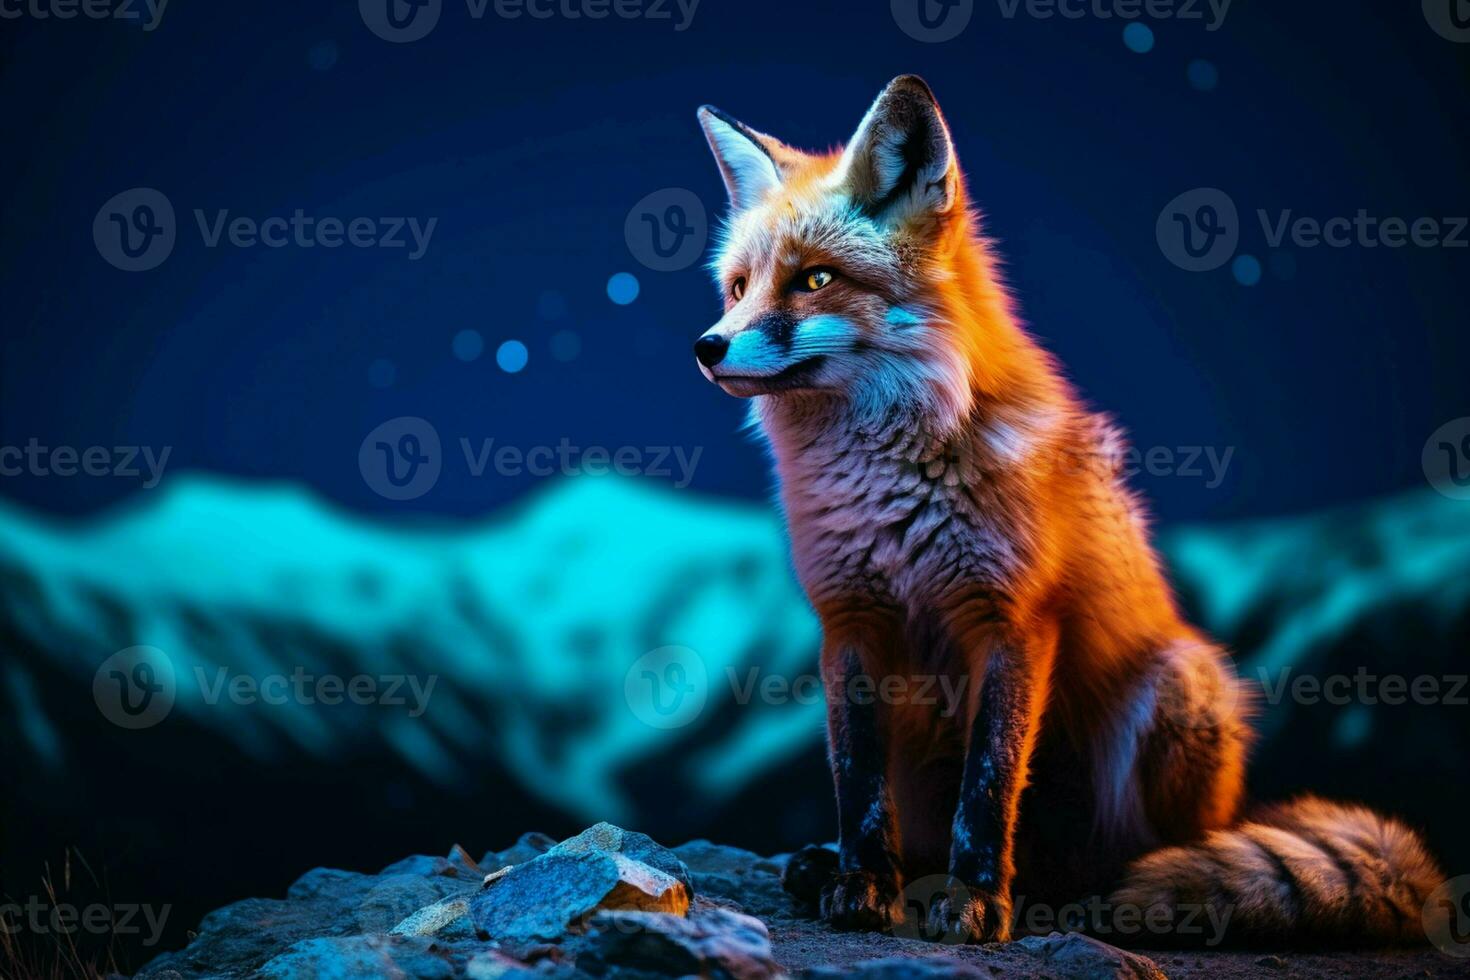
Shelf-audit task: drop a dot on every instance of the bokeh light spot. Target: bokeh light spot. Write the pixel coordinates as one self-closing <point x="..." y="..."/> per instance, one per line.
<point x="1203" y="75"/>
<point x="382" y="373"/>
<point x="468" y="345"/>
<point x="1139" y="38"/>
<point x="322" y="56"/>
<point x="623" y="288"/>
<point x="512" y="356"/>
<point x="565" y="345"/>
<point x="1247" y="269"/>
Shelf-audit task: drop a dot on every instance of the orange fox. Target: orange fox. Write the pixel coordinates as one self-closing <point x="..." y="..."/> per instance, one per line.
<point x="951" y="514"/>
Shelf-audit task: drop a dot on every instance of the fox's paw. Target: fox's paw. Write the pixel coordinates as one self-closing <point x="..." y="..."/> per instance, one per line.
<point x="807" y="872"/>
<point x="969" y="915"/>
<point x="862" y="900"/>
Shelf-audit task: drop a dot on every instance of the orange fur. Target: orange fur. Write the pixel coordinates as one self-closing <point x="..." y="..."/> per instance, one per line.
<point x="954" y="509"/>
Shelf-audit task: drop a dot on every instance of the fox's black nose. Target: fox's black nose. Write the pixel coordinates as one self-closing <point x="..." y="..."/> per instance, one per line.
<point x="710" y="349"/>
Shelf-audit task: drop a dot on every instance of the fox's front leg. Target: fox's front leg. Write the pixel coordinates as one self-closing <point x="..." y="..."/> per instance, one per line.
<point x="865" y="892"/>
<point x="1002" y="734"/>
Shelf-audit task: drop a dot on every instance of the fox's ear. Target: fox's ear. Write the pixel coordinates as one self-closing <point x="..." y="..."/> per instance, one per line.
<point x="751" y="163"/>
<point x="900" y="164"/>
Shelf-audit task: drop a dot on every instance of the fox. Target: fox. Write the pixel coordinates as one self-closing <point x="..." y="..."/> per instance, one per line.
<point x="953" y="512"/>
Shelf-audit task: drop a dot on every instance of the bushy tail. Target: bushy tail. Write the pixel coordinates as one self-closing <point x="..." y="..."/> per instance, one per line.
<point x="1302" y="873"/>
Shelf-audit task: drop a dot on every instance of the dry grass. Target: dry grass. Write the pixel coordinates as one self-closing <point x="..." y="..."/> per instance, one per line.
<point x="28" y="955"/>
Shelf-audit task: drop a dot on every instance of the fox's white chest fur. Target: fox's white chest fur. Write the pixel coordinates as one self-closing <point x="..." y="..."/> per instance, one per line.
<point x="891" y="513"/>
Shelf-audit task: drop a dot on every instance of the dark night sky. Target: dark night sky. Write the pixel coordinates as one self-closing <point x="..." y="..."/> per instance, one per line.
<point x="530" y="140"/>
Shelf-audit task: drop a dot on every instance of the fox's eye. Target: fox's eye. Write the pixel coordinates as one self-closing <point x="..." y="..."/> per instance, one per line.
<point x="815" y="279"/>
<point x="737" y="289"/>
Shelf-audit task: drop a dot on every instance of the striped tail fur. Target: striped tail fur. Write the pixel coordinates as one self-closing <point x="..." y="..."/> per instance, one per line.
<point x="1296" y="874"/>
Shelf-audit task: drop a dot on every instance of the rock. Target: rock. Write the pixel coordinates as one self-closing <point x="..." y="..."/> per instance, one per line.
<point x="524" y="849"/>
<point x="412" y="925"/>
<point x="545" y="898"/>
<point x="320" y="882"/>
<point x="903" y="968"/>
<point x="461" y="860"/>
<point x="732" y="876"/>
<point x="396" y="897"/>
<point x="380" y="956"/>
<point x="492" y="966"/>
<point x="607" y="838"/>
<point x="425" y="866"/>
<point x="703" y="857"/>
<point x="434" y="919"/>
<point x="1084" y="958"/>
<point x="709" y="943"/>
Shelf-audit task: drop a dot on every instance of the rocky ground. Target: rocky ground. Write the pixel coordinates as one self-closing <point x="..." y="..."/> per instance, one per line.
<point x="614" y="904"/>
